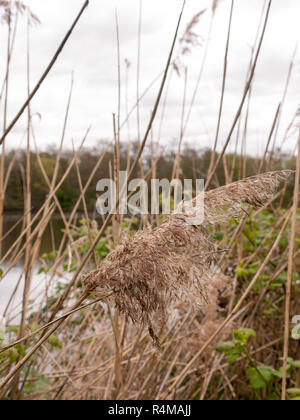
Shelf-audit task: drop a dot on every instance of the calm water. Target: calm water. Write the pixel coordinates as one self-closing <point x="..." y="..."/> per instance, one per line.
<point x="51" y="240"/>
<point x="7" y="286"/>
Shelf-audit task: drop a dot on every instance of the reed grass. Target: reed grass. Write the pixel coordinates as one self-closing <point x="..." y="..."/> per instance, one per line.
<point x="139" y="308"/>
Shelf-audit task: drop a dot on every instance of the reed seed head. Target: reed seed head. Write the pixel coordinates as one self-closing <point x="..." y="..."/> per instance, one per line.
<point x="173" y="262"/>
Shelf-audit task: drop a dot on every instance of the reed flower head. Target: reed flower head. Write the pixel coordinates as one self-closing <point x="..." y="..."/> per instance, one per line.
<point x="173" y="262"/>
<point x="10" y="8"/>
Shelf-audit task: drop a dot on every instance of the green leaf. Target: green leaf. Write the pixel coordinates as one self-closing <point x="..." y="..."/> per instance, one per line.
<point x="13" y="329"/>
<point x="282" y="277"/>
<point x="21" y="350"/>
<point x="270" y="311"/>
<point x="218" y="236"/>
<point x="293" y="391"/>
<point x="2" y="330"/>
<point x="42" y="385"/>
<point x="4" y="355"/>
<point x="289" y="360"/>
<point x="235" y="354"/>
<point x="242" y="336"/>
<point x="39" y="386"/>
<point x="1" y="273"/>
<point x="260" y="376"/>
<point x="283" y="242"/>
<point x="54" y="341"/>
<point x="35" y="327"/>
<point x="52" y="255"/>
<point x="279" y="373"/>
<point x="13" y="355"/>
<point x="225" y="347"/>
<point x="296" y="364"/>
<point x="241" y="272"/>
<point x="256" y="382"/>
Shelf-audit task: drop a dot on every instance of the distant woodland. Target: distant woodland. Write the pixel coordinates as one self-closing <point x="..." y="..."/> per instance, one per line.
<point x="194" y="164"/>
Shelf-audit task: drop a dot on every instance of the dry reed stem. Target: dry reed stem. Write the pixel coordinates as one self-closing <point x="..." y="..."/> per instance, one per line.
<point x="246" y="91"/>
<point x="212" y="161"/>
<point x="131" y="171"/>
<point x="45" y="74"/>
<point x="21" y="363"/>
<point x="236" y="308"/>
<point x="291" y="265"/>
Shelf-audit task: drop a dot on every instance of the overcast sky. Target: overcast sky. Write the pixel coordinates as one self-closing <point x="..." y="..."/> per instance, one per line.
<point x="91" y="54"/>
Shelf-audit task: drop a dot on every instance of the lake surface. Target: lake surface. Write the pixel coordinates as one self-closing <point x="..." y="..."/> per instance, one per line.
<point x="8" y="284"/>
<point x="50" y="240"/>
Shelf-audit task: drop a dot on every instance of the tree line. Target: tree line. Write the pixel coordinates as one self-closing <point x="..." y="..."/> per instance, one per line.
<point x="194" y="164"/>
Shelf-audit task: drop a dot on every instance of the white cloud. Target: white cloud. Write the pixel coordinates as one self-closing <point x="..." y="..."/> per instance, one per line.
<point x="91" y="53"/>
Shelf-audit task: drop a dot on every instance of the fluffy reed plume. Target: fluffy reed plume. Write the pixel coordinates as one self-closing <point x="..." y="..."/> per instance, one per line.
<point x="215" y="5"/>
<point x="190" y="37"/>
<point x="173" y="263"/>
<point x="10" y="8"/>
<point x="228" y="202"/>
<point x="188" y="40"/>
